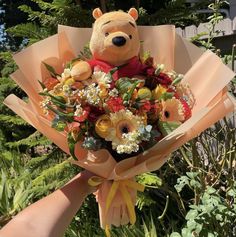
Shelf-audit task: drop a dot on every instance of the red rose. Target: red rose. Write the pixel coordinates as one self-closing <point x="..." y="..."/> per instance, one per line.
<point x="95" y="113"/>
<point x="187" y="110"/>
<point x="150" y="71"/>
<point x="84" y="115"/>
<point x="153" y="80"/>
<point x="115" y="104"/>
<point x="146" y="106"/>
<point x="163" y="79"/>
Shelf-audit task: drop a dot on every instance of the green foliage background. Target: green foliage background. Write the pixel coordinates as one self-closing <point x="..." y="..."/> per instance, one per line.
<point x="193" y="194"/>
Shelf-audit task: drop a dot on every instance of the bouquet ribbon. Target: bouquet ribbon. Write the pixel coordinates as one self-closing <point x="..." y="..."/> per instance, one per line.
<point x="119" y="185"/>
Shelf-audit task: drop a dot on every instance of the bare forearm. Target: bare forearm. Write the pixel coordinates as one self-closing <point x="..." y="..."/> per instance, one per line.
<point x="51" y="215"/>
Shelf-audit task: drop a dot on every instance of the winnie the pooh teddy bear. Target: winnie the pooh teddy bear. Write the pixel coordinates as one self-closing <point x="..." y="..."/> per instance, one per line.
<point x="114" y="42"/>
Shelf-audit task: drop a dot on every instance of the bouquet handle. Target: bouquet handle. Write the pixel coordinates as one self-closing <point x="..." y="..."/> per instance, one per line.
<point x="116" y="200"/>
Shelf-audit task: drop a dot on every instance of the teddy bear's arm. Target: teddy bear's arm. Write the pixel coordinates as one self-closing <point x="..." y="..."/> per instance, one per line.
<point x="81" y="71"/>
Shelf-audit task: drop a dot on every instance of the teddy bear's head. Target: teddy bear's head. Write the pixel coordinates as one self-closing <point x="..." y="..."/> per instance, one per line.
<point x="115" y="36"/>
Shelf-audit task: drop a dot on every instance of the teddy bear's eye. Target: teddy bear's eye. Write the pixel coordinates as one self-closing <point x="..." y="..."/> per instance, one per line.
<point x="106" y="34"/>
<point x="130" y="36"/>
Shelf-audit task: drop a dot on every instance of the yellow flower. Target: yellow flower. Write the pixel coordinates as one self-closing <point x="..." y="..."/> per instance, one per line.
<point x="103" y="125"/>
<point x="103" y="91"/>
<point x="70" y="81"/>
<point x="158" y="92"/>
<point x="172" y="110"/>
<point x="57" y="90"/>
<point x="144" y="118"/>
<point x="144" y="93"/>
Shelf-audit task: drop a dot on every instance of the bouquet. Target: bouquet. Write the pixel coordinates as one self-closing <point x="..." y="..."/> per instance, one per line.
<point x="125" y="116"/>
<point x="120" y="127"/>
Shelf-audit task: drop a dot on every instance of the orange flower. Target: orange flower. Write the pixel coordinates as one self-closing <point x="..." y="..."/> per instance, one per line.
<point x="103" y="91"/>
<point x="172" y="110"/>
<point x="74" y="128"/>
<point x="50" y="83"/>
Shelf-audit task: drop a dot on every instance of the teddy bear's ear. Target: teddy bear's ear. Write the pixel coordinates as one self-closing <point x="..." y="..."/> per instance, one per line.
<point x="97" y="13"/>
<point x="134" y="13"/>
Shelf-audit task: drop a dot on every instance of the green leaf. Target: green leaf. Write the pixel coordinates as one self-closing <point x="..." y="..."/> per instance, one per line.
<point x="186" y="232"/>
<point x="42" y="85"/>
<point x="195" y="183"/>
<point x="210" y="235"/>
<point x="113" y="70"/>
<point x="191" y="215"/>
<point x="210" y="190"/>
<point x="12" y="120"/>
<point x="175" y="234"/>
<point x="51" y="70"/>
<point x="127" y="96"/>
<point x="71" y="144"/>
<point x="124" y="84"/>
<point x="31" y="30"/>
<point x="191" y="224"/>
<point x="168" y="127"/>
<point x="232" y="192"/>
<point x="85" y="54"/>
<point x="34" y="139"/>
<point x="192" y="175"/>
<point x="146" y="55"/>
<point x="144" y="200"/>
<point x="4" y="192"/>
<point x="166" y="96"/>
<point x="66" y="116"/>
<point x="21" y="195"/>
<point x="219" y="217"/>
<point x="177" y="80"/>
<point x="56" y="98"/>
<point x="149" y="179"/>
<point x="181" y="182"/>
<point x="58" y="124"/>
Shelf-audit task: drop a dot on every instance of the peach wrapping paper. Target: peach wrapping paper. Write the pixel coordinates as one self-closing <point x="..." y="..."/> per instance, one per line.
<point x="204" y="72"/>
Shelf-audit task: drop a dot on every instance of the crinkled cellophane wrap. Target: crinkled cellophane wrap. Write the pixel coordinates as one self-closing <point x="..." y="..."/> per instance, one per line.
<point x="206" y="75"/>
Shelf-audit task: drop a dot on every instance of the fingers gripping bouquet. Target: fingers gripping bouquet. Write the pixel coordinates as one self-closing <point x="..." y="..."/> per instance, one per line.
<point x="120" y="112"/>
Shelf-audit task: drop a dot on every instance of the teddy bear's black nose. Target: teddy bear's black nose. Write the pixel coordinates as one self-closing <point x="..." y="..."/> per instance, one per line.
<point x="119" y="41"/>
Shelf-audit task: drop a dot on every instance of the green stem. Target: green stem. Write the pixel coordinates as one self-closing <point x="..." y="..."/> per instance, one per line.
<point x="233" y="55"/>
<point x="165" y="209"/>
<point x="185" y="156"/>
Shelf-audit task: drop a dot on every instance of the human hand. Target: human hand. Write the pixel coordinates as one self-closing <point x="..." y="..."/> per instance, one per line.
<point x="82" y="182"/>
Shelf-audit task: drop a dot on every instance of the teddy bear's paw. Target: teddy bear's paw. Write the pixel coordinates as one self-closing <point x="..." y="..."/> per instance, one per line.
<point x="81" y="71"/>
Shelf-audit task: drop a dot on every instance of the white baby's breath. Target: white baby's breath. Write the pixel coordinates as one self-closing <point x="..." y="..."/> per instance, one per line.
<point x="91" y="94"/>
<point x="66" y="74"/>
<point x="102" y="78"/>
<point x="79" y="110"/>
<point x="66" y="89"/>
<point x="127" y="148"/>
<point x="114" y="93"/>
<point x="44" y="103"/>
